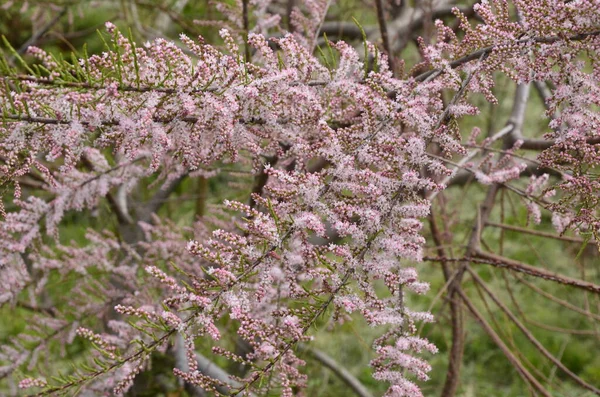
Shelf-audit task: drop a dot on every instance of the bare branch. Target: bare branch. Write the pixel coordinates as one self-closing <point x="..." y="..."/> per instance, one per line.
<point x="384" y="34"/>
<point x="246" y="27"/>
<point x="41" y="32"/>
<point x="541" y="234"/>
<point x="530" y="336"/>
<point x="557" y="300"/>
<point x="350" y="380"/>
<point x="503" y="262"/>
<point x="456" y="318"/>
<point x="526" y="375"/>
<point x="486" y="258"/>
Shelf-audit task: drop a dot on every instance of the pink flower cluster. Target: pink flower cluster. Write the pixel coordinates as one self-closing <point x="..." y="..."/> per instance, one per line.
<point x="342" y="148"/>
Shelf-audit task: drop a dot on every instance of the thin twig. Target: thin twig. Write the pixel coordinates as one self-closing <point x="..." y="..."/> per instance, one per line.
<point x="345" y="376"/>
<point x="530" y="336"/>
<point x="456" y="318"/>
<point x="542" y="234"/>
<point x="558" y="301"/>
<point x="486" y="258"/>
<point x="384" y="34"/>
<point x="526" y="375"/>
<point x="246" y="26"/>
<point x="37" y="35"/>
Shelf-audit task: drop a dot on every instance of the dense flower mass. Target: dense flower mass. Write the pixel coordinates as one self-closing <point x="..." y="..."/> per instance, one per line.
<point x="341" y="147"/>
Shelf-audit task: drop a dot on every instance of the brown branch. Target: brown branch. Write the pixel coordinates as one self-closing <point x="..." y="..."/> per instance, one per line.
<point x="463" y="87"/>
<point x="485" y="258"/>
<point x="500" y="261"/>
<point x="161" y="23"/>
<point x="465" y="176"/>
<point x="118" y="206"/>
<point x="543" y="144"/>
<point x="246" y="27"/>
<point x="383" y="30"/>
<point x="531" y="161"/>
<point x="531" y="337"/>
<point x="541" y="234"/>
<point x="520" y="105"/>
<point x="456" y="319"/>
<point x="568" y="331"/>
<point x="457" y="348"/>
<point x="517" y="115"/>
<point x="526" y="375"/>
<point x="559" y="301"/>
<point x="158" y="199"/>
<point x="481" y="219"/>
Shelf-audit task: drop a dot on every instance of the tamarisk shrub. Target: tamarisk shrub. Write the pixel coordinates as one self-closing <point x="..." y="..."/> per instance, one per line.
<point x="342" y="152"/>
